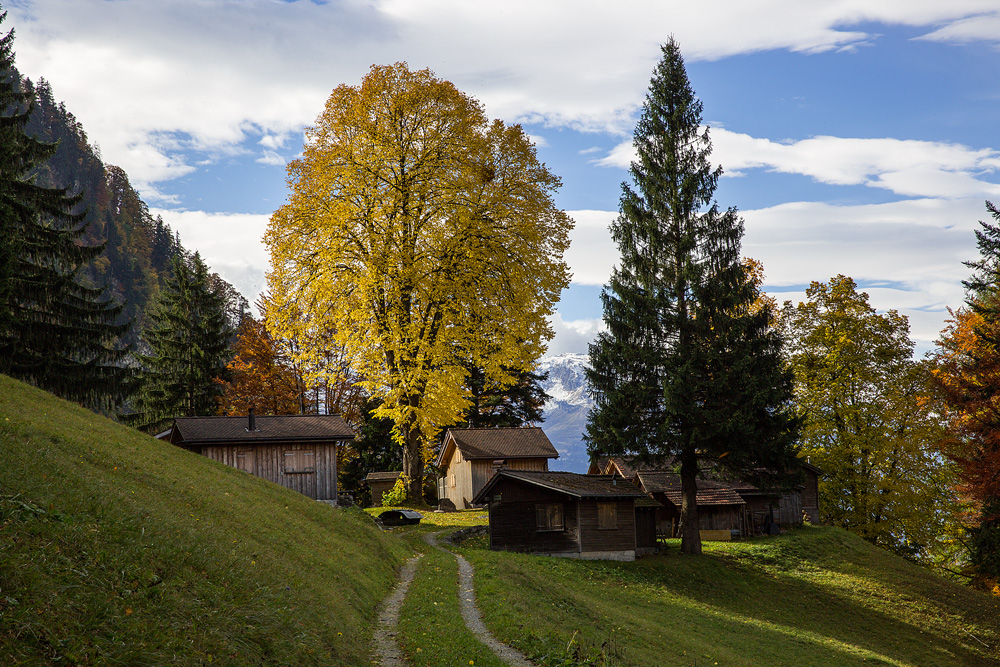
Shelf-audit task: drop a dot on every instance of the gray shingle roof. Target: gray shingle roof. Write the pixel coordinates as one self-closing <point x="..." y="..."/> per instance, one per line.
<point x="198" y="430"/>
<point x="500" y="443"/>
<point x="709" y="492"/>
<point x="383" y="476"/>
<point x="571" y="483"/>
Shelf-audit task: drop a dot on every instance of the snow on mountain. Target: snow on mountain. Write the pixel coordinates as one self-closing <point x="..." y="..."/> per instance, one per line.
<point x="566" y="412"/>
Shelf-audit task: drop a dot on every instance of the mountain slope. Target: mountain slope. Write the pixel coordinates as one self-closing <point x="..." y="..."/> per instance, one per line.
<point x="116" y="548"/>
<point x="566" y="412"/>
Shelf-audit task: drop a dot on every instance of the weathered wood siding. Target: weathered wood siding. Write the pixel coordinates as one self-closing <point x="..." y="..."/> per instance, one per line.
<point x="810" y="496"/>
<point x="471" y="476"/>
<point x="512" y="521"/>
<point x="268" y="461"/>
<point x="379" y="487"/>
<point x="645" y="527"/>
<point x="789" y="508"/>
<point x="711" y="517"/>
<point x="620" y="538"/>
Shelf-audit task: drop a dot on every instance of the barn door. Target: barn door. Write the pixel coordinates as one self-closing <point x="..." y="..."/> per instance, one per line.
<point x="246" y="460"/>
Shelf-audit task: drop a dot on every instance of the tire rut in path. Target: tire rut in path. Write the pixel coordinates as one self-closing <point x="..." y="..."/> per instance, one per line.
<point x="387" y="651"/>
<point x="470" y="611"/>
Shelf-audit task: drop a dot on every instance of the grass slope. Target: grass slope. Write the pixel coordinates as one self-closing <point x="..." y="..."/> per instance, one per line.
<point x="116" y="548"/>
<point x="816" y="596"/>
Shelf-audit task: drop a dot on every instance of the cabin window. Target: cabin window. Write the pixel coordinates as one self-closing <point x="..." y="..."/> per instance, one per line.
<point x="607" y="516"/>
<point x="451" y="481"/>
<point x="300" y="460"/>
<point x="549" y="517"/>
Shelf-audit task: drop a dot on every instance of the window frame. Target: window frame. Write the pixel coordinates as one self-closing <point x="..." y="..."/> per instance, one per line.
<point x="550" y="511"/>
<point x="299" y="457"/>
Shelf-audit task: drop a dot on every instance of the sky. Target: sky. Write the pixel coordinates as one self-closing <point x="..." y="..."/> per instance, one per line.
<point x="857" y="137"/>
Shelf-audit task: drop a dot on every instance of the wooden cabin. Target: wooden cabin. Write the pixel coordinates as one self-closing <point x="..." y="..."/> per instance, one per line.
<point x="785" y="506"/>
<point x="297" y="451"/>
<point x="470" y="456"/>
<point x="379" y="483"/>
<point x="719" y="507"/>
<point x="568" y="514"/>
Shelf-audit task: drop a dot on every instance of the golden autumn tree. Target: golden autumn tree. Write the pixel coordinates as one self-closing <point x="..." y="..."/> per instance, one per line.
<point x="421" y="236"/>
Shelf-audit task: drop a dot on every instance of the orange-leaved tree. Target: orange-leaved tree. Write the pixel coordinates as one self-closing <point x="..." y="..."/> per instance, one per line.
<point x="967" y="373"/>
<point x="260" y="378"/>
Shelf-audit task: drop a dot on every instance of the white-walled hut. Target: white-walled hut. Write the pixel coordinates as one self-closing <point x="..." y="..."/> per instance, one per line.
<point x="470" y="456"/>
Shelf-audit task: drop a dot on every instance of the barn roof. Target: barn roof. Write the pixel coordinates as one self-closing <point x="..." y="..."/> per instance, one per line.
<point x="383" y="476"/>
<point x="709" y="492"/>
<point x="497" y="443"/>
<point x="203" y="430"/>
<point x="570" y="483"/>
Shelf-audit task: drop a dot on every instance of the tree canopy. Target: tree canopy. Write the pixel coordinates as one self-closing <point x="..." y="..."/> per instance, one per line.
<point x="421" y="237"/>
<point x="56" y="331"/>
<point x="869" y="421"/>
<point x="690" y="367"/>
<point x="967" y="373"/>
<point x="189" y="336"/>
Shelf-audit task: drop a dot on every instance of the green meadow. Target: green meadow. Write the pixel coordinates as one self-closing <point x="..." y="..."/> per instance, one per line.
<point x="116" y="549"/>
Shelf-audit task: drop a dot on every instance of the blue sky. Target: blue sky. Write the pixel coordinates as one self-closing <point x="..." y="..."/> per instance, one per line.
<point x="857" y="137"/>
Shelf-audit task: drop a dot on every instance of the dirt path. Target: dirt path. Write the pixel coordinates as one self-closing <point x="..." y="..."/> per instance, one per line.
<point x="387" y="653"/>
<point x="471" y="614"/>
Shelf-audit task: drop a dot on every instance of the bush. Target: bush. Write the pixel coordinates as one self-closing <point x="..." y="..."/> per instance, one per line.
<point x="395" y="496"/>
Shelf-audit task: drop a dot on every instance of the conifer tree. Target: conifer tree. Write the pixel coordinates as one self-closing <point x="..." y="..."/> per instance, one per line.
<point x="492" y="405"/>
<point x="55" y="331"/>
<point x="189" y="336"/>
<point x="690" y="366"/>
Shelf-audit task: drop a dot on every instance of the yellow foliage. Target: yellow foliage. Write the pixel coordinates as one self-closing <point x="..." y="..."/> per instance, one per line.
<point x="421" y="236"/>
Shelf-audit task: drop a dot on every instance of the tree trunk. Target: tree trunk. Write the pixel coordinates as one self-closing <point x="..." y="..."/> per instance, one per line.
<point x="413" y="466"/>
<point x="690" y="533"/>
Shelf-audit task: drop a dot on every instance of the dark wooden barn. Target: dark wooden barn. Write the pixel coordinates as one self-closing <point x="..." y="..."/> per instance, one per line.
<point x="297" y="451"/>
<point x="568" y="514"/>
<point x="720" y="508"/>
<point x="379" y="483"/>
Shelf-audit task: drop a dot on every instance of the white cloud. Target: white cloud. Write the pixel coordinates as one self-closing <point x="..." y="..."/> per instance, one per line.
<point x="984" y="27"/>
<point x="905" y="167"/>
<point x="230" y="243"/>
<point x="215" y="70"/>
<point x="592" y="253"/>
<point x="573" y="335"/>
<point x="271" y="158"/>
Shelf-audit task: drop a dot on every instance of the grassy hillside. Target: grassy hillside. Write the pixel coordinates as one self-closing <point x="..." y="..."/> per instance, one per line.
<point x="816" y="596"/>
<point x="116" y="548"/>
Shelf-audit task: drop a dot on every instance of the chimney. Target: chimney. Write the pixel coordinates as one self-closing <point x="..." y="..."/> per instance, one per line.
<point x="253" y="424"/>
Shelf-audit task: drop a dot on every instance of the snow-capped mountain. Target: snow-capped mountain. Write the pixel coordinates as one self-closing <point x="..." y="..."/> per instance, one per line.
<point x="566" y="412"/>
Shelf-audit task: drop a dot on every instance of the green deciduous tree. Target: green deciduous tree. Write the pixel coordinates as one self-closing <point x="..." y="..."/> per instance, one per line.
<point x="690" y="366"/>
<point x="55" y="331"/>
<point x="190" y="339"/>
<point x="422" y="237"/>
<point x="869" y="421"/>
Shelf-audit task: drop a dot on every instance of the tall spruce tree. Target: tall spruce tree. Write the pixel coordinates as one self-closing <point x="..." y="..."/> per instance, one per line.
<point x="492" y="405"/>
<point x="190" y="339"/>
<point x="55" y="331"/>
<point x="690" y="367"/>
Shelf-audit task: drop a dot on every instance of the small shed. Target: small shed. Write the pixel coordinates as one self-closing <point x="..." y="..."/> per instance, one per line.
<point x="719" y="506"/>
<point x="568" y="514"/>
<point x="296" y="451"/>
<point x="470" y="456"/>
<point x="380" y="482"/>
